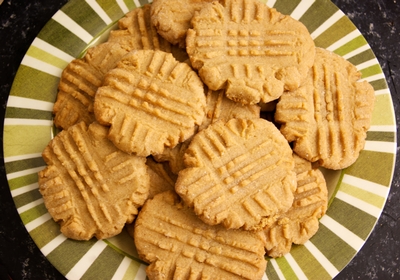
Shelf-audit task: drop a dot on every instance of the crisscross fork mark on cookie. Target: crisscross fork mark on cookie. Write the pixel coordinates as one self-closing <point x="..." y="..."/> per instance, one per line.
<point x="151" y="101"/>
<point x="238" y="173"/>
<point x="89" y="186"/>
<point x="179" y="245"/>
<point x="329" y="115"/>
<point x="267" y="52"/>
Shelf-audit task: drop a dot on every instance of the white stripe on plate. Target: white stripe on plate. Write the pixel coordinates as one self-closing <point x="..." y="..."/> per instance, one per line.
<point x="43" y="45"/>
<point x="29" y="103"/>
<point x="30" y="205"/>
<point x="37" y="222"/>
<point x="356" y="51"/>
<point x="41" y="66"/>
<point x="383" y="128"/>
<point x="24" y="189"/>
<point x="346" y="235"/>
<point x="301" y="8"/>
<point x="358" y="203"/>
<point x="137" y="3"/>
<point x="382" y="91"/>
<point x="22" y="157"/>
<point x="271" y="3"/>
<point x="49" y="247"/>
<point x="99" y="10"/>
<point x="18" y="174"/>
<point x="12" y="121"/>
<point x="295" y="266"/>
<point x="380" y="146"/>
<point x="376" y="77"/>
<point x="328" y="23"/>
<point x="325" y="263"/>
<point x="277" y="268"/>
<point x="86" y="261"/>
<point x="264" y="277"/>
<point x="123" y="6"/>
<point x="344" y="40"/>
<point x="122" y="268"/>
<point x="365" y="185"/>
<point x="72" y="26"/>
<point x="367" y="64"/>
<point x="141" y="273"/>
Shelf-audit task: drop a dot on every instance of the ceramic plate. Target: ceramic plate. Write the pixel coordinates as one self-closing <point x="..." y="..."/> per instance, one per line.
<point x="357" y="194"/>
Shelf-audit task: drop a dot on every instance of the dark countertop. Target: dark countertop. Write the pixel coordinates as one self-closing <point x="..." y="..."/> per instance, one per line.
<point x="378" y="21"/>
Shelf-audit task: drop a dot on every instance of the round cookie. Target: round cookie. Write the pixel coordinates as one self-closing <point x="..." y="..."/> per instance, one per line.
<point x="301" y="221"/>
<point x="238" y="173"/>
<point x="89" y="186"/>
<point x="178" y="245"/>
<point x="80" y="81"/>
<point x="172" y="18"/>
<point x="150" y="101"/>
<point x="327" y="118"/>
<point x="251" y="50"/>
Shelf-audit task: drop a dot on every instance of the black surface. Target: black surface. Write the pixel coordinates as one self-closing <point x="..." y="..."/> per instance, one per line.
<point x="378" y="21"/>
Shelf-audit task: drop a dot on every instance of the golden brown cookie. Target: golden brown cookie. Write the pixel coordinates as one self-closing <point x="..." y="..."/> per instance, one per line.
<point x="178" y="245"/>
<point x="150" y="101"/>
<point x="251" y="50"/>
<point x="238" y="173"/>
<point x="172" y="18"/>
<point x="301" y="221"/>
<point x="327" y="118"/>
<point x="89" y="186"/>
<point x="218" y="107"/>
<point x="136" y="30"/>
<point x="79" y="82"/>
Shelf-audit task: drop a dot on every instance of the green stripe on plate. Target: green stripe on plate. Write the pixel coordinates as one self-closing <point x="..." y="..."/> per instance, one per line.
<point x="370" y="71"/>
<point x="130" y="4"/>
<point x="379" y="84"/>
<point x="25" y="198"/>
<point x="381" y="136"/>
<point x="335" y="32"/>
<point x="352" y="45"/>
<point x="45" y="233"/>
<point x="111" y="8"/>
<point x="57" y="35"/>
<point x="311" y="267"/>
<point x="22" y="181"/>
<point x="19" y="165"/>
<point x="316" y="15"/>
<point x="285" y="268"/>
<point x="105" y="265"/>
<point x="371" y="198"/>
<point x="132" y="270"/>
<point x="352" y="218"/>
<point x="373" y="166"/>
<point x="23" y="113"/>
<point x="46" y="57"/>
<point x="286" y="7"/>
<point x="26" y="86"/>
<point x="68" y="253"/>
<point x="143" y="2"/>
<point x="362" y="57"/>
<point x="337" y="251"/>
<point x="33" y="213"/>
<point x="270" y="271"/>
<point x="85" y="16"/>
<point x="382" y="115"/>
<point x="25" y="139"/>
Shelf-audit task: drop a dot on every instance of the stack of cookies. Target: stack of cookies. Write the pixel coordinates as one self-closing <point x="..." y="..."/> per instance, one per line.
<point x="162" y="132"/>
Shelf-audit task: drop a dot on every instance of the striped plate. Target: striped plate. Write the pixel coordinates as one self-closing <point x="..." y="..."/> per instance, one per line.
<point x="357" y="194"/>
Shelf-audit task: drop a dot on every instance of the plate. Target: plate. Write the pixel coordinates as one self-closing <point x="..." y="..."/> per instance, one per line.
<point x="357" y="194"/>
